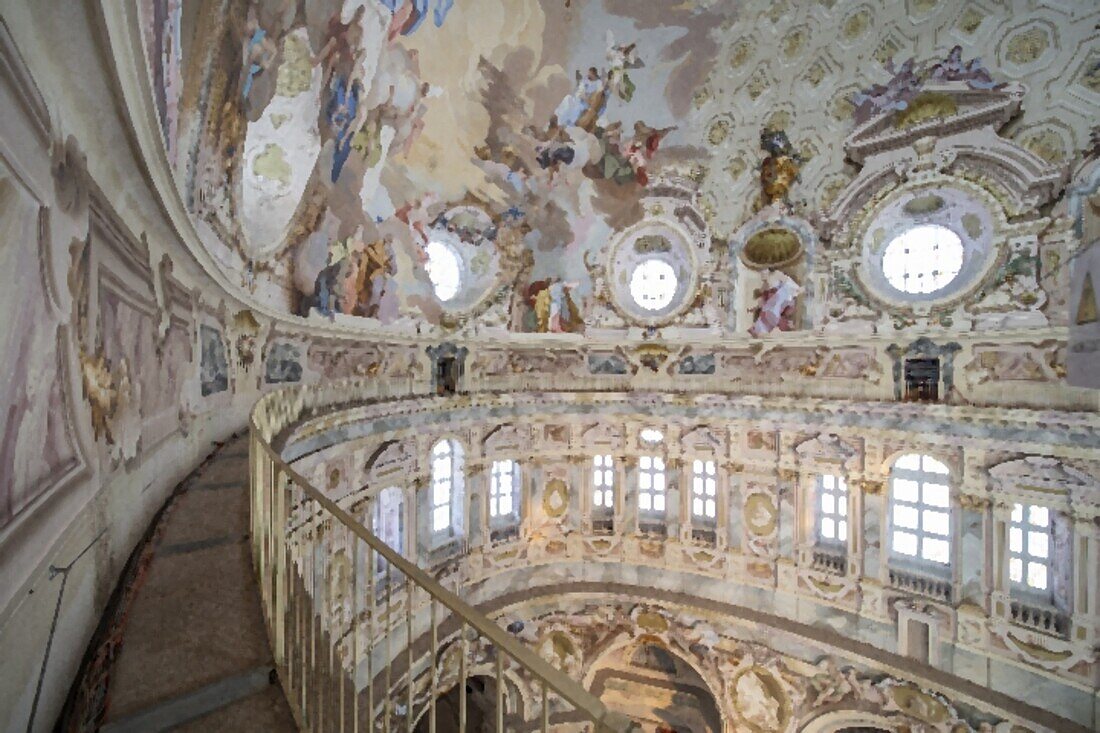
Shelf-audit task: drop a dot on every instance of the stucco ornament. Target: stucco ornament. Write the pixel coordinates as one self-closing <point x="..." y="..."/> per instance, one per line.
<point x="70" y="176"/>
<point x="555" y="499"/>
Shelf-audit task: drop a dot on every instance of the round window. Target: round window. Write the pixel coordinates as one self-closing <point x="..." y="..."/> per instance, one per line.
<point x="653" y="284"/>
<point x="443" y="269"/>
<point x="923" y="259"/>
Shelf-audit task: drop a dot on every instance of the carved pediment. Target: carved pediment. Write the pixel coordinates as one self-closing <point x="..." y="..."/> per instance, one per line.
<point x="1043" y="474"/>
<point x="602" y="434"/>
<point x="389" y="456"/>
<point x="506" y="437"/>
<point x="936" y="110"/>
<point x="826" y="448"/>
<point x="702" y="439"/>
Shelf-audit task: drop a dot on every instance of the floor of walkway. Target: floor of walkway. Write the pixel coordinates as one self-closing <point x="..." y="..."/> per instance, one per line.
<point x="191" y="650"/>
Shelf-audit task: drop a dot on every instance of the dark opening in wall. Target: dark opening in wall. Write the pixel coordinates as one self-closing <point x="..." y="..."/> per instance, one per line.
<point x="446" y="375"/>
<point x="922" y="380"/>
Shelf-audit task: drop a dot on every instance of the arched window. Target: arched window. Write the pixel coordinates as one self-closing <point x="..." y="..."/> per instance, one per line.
<point x="1029" y="545"/>
<point x="920" y="518"/>
<point x="832" y="509"/>
<point x="704" y="489"/>
<point x="503" y="490"/>
<point x="389" y="521"/>
<point x="446" y="489"/>
<point x="603" y="482"/>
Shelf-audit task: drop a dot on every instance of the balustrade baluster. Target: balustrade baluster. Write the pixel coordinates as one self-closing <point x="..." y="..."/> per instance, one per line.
<point x="389" y="655"/>
<point x="432" y="661"/>
<point x="409" y="654"/>
<point x="462" y="678"/>
<point x="500" y="688"/>
<point x="545" y="708"/>
<point x="372" y="608"/>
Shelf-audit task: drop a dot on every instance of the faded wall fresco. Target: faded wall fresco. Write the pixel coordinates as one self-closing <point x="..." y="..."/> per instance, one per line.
<point x="284" y="364"/>
<point x="214" y="365"/>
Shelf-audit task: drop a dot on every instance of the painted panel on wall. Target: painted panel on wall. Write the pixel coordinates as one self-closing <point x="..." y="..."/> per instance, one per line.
<point x="215" y="366"/>
<point x="35" y="449"/>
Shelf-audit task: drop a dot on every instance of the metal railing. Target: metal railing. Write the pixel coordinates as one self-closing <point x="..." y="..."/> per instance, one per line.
<point x="361" y="637"/>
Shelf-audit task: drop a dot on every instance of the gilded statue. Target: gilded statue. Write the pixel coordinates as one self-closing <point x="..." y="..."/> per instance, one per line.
<point x="780" y="168"/>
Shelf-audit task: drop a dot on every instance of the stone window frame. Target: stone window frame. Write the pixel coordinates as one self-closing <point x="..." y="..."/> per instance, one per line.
<point x="456" y="492"/>
<point x="515" y="475"/>
<point x="918" y="562"/>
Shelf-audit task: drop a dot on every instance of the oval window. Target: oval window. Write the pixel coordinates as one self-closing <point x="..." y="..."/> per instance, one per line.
<point x="443" y="269"/>
<point x="653" y="284"/>
<point x="923" y="259"/>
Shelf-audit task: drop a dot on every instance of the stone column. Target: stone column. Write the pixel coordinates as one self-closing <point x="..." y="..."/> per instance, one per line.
<point x="477" y="504"/>
<point x="734" y="529"/>
<point x="1086" y="586"/>
<point x="1001" y="517"/>
<point x="974" y="553"/>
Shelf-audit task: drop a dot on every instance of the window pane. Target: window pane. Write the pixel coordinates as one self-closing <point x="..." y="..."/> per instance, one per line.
<point x="441" y="493"/>
<point x="441" y="467"/>
<point x="827" y="481"/>
<point x="931" y="465"/>
<point x="659" y="503"/>
<point x="505" y="504"/>
<point x="828" y="503"/>
<point x="659" y="463"/>
<point x="697" y="507"/>
<point x="710" y="487"/>
<point x="645" y="462"/>
<point x="597" y="498"/>
<point x="1039" y="516"/>
<point x="1016" y="570"/>
<point x="842" y="530"/>
<point x="910" y="462"/>
<point x="659" y="482"/>
<point x="1037" y="575"/>
<point x="710" y="508"/>
<point x="936" y="522"/>
<point x="697" y="485"/>
<point x="937" y="551"/>
<point x="905" y="516"/>
<point x="1037" y="544"/>
<point x="936" y="495"/>
<point x="697" y="466"/>
<point x="905" y="490"/>
<point x="905" y="543"/>
<point x="1017" y="513"/>
<point x="441" y="518"/>
<point x="643" y="501"/>
<point x="607" y="498"/>
<point x="842" y="506"/>
<point x="1015" y="539"/>
<point x="607" y="480"/>
<point x="597" y="477"/>
<point x="645" y="480"/>
<point x="841" y="484"/>
<point x="710" y="468"/>
<point x="828" y="530"/>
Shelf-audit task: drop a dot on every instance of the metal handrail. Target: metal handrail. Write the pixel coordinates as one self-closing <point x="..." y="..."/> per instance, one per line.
<point x="270" y="512"/>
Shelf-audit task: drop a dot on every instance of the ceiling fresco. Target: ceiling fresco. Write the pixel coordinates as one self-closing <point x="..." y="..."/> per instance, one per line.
<point x="322" y="145"/>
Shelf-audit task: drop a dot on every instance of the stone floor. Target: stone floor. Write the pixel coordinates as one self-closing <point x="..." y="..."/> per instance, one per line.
<point x="194" y="655"/>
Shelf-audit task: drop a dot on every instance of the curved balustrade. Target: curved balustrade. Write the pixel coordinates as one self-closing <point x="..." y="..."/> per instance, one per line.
<point x="341" y="631"/>
<point x="966" y="607"/>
